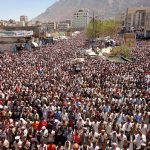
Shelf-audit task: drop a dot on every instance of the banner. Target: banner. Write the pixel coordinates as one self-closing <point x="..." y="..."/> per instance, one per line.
<point x="16" y="33"/>
<point x="7" y="34"/>
<point x="130" y="39"/>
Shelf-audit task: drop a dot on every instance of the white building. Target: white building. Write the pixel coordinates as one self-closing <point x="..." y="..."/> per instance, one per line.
<point x="80" y="19"/>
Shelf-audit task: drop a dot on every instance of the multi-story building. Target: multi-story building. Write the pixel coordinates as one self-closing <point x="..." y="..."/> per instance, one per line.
<point x="22" y="24"/>
<point x="52" y="26"/>
<point x="63" y="26"/>
<point x="67" y="21"/>
<point x="80" y="19"/>
<point x="24" y="19"/>
<point x="138" y="18"/>
<point x="49" y="27"/>
<point x="147" y="25"/>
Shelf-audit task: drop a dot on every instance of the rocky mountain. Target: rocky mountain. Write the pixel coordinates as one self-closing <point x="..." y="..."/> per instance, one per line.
<point x="64" y="9"/>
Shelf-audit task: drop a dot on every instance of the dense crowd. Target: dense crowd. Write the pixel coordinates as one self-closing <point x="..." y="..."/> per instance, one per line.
<point x="48" y="102"/>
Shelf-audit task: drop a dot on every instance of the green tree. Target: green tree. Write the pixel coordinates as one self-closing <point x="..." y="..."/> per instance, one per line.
<point x="104" y="28"/>
<point x="122" y="50"/>
<point x="125" y="51"/>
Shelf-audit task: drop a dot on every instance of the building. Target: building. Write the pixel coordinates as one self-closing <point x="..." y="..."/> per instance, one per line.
<point x="52" y="26"/>
<point x="9" y="23"/>
<point x="67" y="21"/>
<point x="24" y="19"/>
<point x="147" y="25"/>
<point x="139" y="19"/>
<point x="12" y="23"/>
<point x="3" y="23"/>
<point x="63" y="26"/>
<point x="80" y="19"/>
<point x="30" y="23"/>
<point x="38" y="23"/>
<point x="49" y="27"/>
<point x="44" y="27"/>
<point x="22" y="24"/>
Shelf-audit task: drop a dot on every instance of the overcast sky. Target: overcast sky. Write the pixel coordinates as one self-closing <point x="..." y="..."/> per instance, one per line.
<point x="13" y="9"/>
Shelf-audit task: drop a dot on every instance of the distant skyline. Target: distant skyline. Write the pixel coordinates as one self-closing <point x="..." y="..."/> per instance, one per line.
<point x="13" y="9"/>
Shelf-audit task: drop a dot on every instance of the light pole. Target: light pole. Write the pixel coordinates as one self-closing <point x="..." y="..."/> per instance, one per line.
<point x="94" y="32"/>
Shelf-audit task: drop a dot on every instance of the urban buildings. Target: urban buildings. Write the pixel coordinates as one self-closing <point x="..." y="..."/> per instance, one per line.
<point x="9" y="23"/>
<point x="80" y="19"/>
<point x="12" y="23"/>
<point x="52" y="26"/>
<point x="22" y="24"/>
<point x="63" y="26"/>
<point x="23" y="21"/>
<point x="38" y="23"/>
<point x="24" y="18"/>
<point x="3" y="23"/>
<point x="147" y="25"/>
<point x="67" y="21"/>
<point x="48" y="27"/>
<point x="139" y="19"/>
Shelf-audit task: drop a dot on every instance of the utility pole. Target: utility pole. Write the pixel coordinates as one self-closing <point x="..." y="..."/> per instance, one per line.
<point x="93" y="25"/>
<point x="93" y="33"/>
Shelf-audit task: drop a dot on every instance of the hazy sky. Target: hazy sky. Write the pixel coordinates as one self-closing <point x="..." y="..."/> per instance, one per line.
<point x="12" y="9"/>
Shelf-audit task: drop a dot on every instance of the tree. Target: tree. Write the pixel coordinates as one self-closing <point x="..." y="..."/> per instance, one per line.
<point x="122" y="50"/>
<point x="102" y="28"/>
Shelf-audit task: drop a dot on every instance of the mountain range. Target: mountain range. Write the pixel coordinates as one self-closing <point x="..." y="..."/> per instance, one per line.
<point x="64" y="9"/>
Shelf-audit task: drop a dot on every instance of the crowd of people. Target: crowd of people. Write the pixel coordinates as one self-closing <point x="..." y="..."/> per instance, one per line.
<point x="49" y="103"/>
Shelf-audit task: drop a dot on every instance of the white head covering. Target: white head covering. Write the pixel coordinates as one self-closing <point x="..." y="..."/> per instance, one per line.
<point x="17" y="137"/>
<point x="1" y="107"/>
